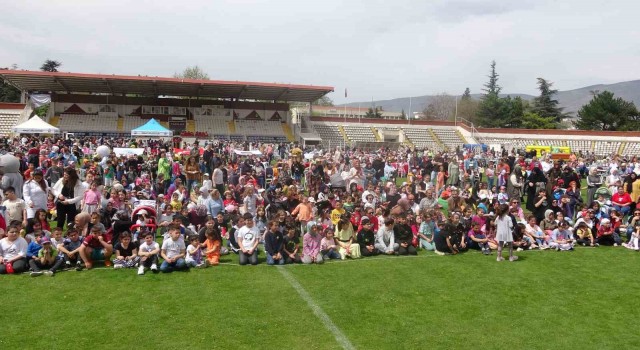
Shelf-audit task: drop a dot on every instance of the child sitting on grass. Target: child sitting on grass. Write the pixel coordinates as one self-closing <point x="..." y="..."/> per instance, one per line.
<point x="96" y="246"/>
<point x="212" y="244"/>
<point x="329" y="246"/>
<point x="194" y="253"/>
<point x="633" y="240"/>
<point x="148" y="253"/>
<point x="173" y="251"/>
<point x="536" y="233"/>
<point x="70" y="249"/>
<point x="126" y="252"/>
<point x="561" y="238"/>
<point x="427" y="231"/>
<point x="311" y="245"/>
<point x="583" y="235"/>
<point x="478" y="239"/>
<point x="47" y="259"/>
<point x="291" y="246"/>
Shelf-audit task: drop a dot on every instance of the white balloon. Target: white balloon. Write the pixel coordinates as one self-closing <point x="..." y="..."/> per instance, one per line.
<point x="103" y="151"/>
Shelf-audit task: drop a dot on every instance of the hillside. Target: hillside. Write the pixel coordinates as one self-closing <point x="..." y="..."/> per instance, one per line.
<point x="571" y="100"/>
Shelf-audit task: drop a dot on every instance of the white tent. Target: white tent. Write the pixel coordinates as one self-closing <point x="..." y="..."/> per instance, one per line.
<point x="35" y="125"/>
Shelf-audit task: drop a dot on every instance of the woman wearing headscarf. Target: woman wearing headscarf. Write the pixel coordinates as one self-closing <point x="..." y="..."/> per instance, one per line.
<point x="613" y="180"/>
<point x="454" y="174"/>
<point x="593" y="183"/>
<point x="515" y="183"/>
<point x="82" y="224"/>
<point x="536" y="181"/>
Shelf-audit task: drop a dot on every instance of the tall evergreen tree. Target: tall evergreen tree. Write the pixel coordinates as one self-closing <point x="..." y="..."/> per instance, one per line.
<point x="466" y="95"/>
<point x="511" y="110"/>
<point x="490" y="110"/>
<point x="604" y="112"/>
<point x="545" y="105"/>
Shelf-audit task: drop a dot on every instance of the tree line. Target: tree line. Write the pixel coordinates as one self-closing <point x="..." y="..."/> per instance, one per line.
<point x="603" y="112"/>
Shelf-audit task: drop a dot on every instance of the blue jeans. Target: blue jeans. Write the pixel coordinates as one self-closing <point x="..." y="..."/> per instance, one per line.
<point x="330" y="254"/>
<point x="179" y="264"/>
<point x="623" y="210"/>
<point x="271" y="261"/>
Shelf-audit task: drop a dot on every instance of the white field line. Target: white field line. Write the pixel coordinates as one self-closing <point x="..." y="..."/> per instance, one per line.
<point x="326" y="320"/>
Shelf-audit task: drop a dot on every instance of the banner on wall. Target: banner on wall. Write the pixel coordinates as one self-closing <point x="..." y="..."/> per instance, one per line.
<point x="247" y="153"/>
<point x="186" y="152"/>
<point x="128" y="151"/>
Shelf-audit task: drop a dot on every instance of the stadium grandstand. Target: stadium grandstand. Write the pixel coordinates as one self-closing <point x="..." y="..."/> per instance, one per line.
<point x="113" y="105"/>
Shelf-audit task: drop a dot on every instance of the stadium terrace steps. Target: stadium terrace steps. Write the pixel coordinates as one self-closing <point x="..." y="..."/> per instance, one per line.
<point x="120" y="124"/>
<point x="191" y="126"/>
<point x="376" y="134"/>
<point x="54" y="120"/>
<point x="464" y="140"/>
<point x="288" y="132"/>
<point x="437" y="139"/>
<point x="344" y="134"/>
<point x="623" y="145"/>
<point x="232" y="127"/>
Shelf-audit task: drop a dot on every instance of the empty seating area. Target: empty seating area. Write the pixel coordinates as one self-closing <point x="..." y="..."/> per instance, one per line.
<point x="519" y="144"/>
<point x="267" y="139"/>
<point x="631" y="149"/>
<point x="329" y="134"/>
<point x="259" y="128"/>
<point x="132" y="122"/>
<point x="421" y="138"/>
<point x="359" y="133"/>
<point x="87" y="122"/>
<point x="8" y="119"/>
<point x="212" y="125"/>
<point x="449" y="137"/>
<point x="583" y="146"/>
<point x="228" y="137"/>
<point x="559" y="143"/>
<point x="603" y="148"/>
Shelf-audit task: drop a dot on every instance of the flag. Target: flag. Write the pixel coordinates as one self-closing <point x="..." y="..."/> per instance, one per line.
<point x="345" y="92"/>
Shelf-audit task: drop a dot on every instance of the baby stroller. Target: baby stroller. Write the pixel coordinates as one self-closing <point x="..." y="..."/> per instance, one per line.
<point x="602" y="191"/>
<point x="139" y="230"/>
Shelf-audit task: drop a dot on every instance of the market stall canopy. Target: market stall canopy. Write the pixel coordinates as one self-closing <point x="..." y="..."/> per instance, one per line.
<point x="35" y="125"/>
<point x="152" y="128"/>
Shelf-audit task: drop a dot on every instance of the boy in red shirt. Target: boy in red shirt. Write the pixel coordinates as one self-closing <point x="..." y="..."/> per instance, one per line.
<point x="96" y="246"/>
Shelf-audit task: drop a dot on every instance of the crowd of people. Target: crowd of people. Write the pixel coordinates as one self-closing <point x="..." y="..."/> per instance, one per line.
<point x="67" y="204"/>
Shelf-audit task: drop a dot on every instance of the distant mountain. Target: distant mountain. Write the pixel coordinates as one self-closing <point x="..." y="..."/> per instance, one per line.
<point x="571" y="100"/>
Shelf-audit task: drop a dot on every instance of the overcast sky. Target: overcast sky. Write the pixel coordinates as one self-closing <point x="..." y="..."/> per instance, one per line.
<point x="375" y="49"/>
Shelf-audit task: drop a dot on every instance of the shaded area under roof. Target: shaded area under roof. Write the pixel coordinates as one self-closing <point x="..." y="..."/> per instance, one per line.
<point x="159" y="86"/>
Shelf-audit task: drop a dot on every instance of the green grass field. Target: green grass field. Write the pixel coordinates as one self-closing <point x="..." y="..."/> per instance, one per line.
<point x="547" y="300"/>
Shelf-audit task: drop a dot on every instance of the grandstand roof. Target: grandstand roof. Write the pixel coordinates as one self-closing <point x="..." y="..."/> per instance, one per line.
<point x="160" y="86"/>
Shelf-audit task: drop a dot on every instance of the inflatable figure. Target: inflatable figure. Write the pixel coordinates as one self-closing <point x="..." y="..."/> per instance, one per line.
<point x="11" y="177"/>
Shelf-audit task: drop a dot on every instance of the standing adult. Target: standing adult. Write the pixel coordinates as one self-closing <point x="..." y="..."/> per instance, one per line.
<point x="454" y="173"/>
<point x="164" y="169"/>
<point x="515" y="183"/>
<point x="594" y="181"/>
<point x="218" y="178"/>
<point x="35" y="192"/>
<point x="536" y="182"/>
<point x="68" y="193"/>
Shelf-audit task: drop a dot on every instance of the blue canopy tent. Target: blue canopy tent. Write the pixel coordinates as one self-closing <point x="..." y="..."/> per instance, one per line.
<point x="152" y="128"/>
